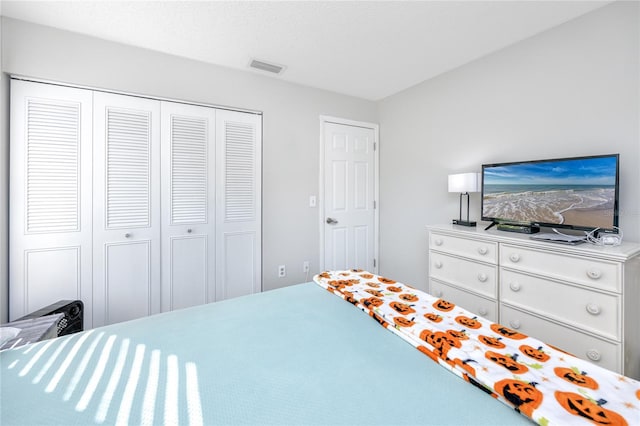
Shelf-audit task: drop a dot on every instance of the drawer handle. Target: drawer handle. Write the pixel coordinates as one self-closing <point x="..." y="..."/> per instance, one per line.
<point x="515" y="286"/>
<point x="515" y="324"/>
<point x="483" y="250"/>
<point x="127" y="235"/>
<point x="482" y="277"/>
<point x="514" y="257"/>
<point x="594" y="274"/>
<point x="593" y="355"/>
<point x="437" y="264"/>
<point x="593" y="309"/>
<point x="483" y="311"/>
<point x="189" y="230"/>
<point x="438" y="242"/>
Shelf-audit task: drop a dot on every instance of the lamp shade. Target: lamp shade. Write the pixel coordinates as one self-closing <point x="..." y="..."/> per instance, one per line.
<point x="464" y="182"/>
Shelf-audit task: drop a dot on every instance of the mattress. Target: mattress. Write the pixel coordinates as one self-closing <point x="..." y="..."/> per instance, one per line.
<point x="297" y="355"/>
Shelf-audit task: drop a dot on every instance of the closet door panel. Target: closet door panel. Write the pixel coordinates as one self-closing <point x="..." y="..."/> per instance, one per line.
<point x="50" y="197"/>
<point x="188" y="199"/>
<point x="128" y="284"/>
<point x="126" y="207"/>
<point x="238" y="204"/>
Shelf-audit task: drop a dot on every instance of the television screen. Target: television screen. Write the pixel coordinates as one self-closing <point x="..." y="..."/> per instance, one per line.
<point x="579" y="193"/>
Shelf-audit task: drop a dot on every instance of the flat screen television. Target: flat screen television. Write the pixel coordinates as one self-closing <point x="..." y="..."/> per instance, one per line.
<point x="575" y="193"/>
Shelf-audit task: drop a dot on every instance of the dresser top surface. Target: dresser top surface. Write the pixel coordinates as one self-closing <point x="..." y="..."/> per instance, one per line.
<point x="624" y="251"/>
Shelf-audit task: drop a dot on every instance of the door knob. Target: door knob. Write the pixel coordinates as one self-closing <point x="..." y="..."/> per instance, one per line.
<point x="331" y="221"/>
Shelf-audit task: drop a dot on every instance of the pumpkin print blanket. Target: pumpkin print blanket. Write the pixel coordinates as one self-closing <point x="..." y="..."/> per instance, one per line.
<point x="541" y="382"/>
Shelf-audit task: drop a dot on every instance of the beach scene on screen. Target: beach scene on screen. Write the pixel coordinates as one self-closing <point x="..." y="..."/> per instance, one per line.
<point x="571" y="192"/>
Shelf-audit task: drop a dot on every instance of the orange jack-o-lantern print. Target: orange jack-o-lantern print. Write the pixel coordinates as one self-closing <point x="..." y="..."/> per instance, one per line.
<point x="384" y="280"/>
<point x="428" y="353"/>
<point x="443" y="305"/>
<point x="403" y="322"/>
<point x="431" y="316"/>
<point x="356" y="270"/>
<point x="440" y="341"/>
<point x="408" y="297"/>
<point x="537" y="354"/>
<point x="372" y="302"/>
<point x="507" y="332"/>
<point x="465" y="365"/>
<point x="348" y="296"/>
<point x="458" y="334"/>
<point x="576" y="377"/>
<point x="579" y="405"/>
<point x="366" y="276"/>
<point x="394" y="289"/>
<point x="324" y="275"/>
<point x="375" y="293"/>
<point x="508" y="362"/>
<point x="373" y="285"/>
<point x="523" y="396"/>
<point x="493" y="342"/>
<point x="638" y="394"/>
<point x="468" y="322"/>
<point x="402" y="308"/>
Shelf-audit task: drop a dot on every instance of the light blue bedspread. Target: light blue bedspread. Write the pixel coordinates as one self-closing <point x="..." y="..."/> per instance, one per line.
<point x="297" y="355"/>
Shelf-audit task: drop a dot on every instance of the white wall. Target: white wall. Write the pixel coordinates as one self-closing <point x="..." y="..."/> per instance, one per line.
<point x="566" y="92"/>
<point x="4" y="190"/>
<point x="290" y="133"/>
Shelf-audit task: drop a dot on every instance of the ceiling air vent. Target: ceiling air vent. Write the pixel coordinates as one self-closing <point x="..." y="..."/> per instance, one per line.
<point x="266" y="66"/>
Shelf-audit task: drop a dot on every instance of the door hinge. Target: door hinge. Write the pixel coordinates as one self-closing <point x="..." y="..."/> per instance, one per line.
<point x="375" y="146"/>
<point x="375" y="204"/>
<point x="374" y="263"/>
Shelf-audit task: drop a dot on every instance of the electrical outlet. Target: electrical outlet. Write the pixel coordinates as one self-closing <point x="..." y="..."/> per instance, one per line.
<point x="282" y="271"/>
<point x="305" y="266"/>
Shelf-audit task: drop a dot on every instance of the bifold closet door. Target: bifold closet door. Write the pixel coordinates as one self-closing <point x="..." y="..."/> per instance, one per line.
<point x="238" y="203"/>
<point x="50" y="197"/>
<point x="188" y="200"/>
<point x="126" y="220"/>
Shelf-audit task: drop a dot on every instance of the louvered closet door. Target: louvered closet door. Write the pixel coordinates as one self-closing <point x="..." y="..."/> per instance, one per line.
<point x="126" y="231"/>
<point x="188" y="200"/>
<point x="50" y="197"/>
<point x="238" y="203"/>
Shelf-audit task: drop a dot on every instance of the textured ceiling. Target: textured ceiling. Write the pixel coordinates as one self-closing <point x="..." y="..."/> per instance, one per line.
<point x="366" y="49"/>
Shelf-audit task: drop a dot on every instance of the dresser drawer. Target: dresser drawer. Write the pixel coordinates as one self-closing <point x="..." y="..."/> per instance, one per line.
<point x="600" y="352"/>
<point x="583" y="308"/>
<point x="477" y="277"/>
<point x="478" y="305"/>
<point x="474" y="249"/>
<point x="588" y="271"/>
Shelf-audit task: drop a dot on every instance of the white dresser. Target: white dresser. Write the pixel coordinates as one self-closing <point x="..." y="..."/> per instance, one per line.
<point x="583" y="299"/>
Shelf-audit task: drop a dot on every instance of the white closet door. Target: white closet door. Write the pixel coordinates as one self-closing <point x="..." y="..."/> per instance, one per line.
<point x="50" y="197"/>
<point x="188" y="200"/>
<point x="238" y="204"/>
<point x="126" y="221"/>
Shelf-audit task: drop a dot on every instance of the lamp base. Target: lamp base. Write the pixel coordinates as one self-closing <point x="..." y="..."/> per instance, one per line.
<point x="463" y="222"/>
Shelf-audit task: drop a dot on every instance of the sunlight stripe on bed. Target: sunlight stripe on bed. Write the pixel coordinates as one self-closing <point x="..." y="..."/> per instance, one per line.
<point x="130" y="388"/>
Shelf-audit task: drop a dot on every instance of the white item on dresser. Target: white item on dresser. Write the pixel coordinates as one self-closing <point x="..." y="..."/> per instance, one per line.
<point x="582" y="299"/>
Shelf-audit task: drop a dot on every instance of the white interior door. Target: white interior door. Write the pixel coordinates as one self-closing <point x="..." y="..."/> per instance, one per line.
<point x="238" y="204"/>
<point x="349" y="219"/>
<point x="50" y="197"/>
<point x="126" y="221"/>
<point x="188" y="205"/>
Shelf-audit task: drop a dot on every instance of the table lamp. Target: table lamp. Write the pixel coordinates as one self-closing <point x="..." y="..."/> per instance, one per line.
<point x="464" y="183"/>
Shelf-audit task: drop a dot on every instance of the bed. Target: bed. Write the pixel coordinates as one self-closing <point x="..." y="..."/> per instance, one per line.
<point x="298" y="355"/>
